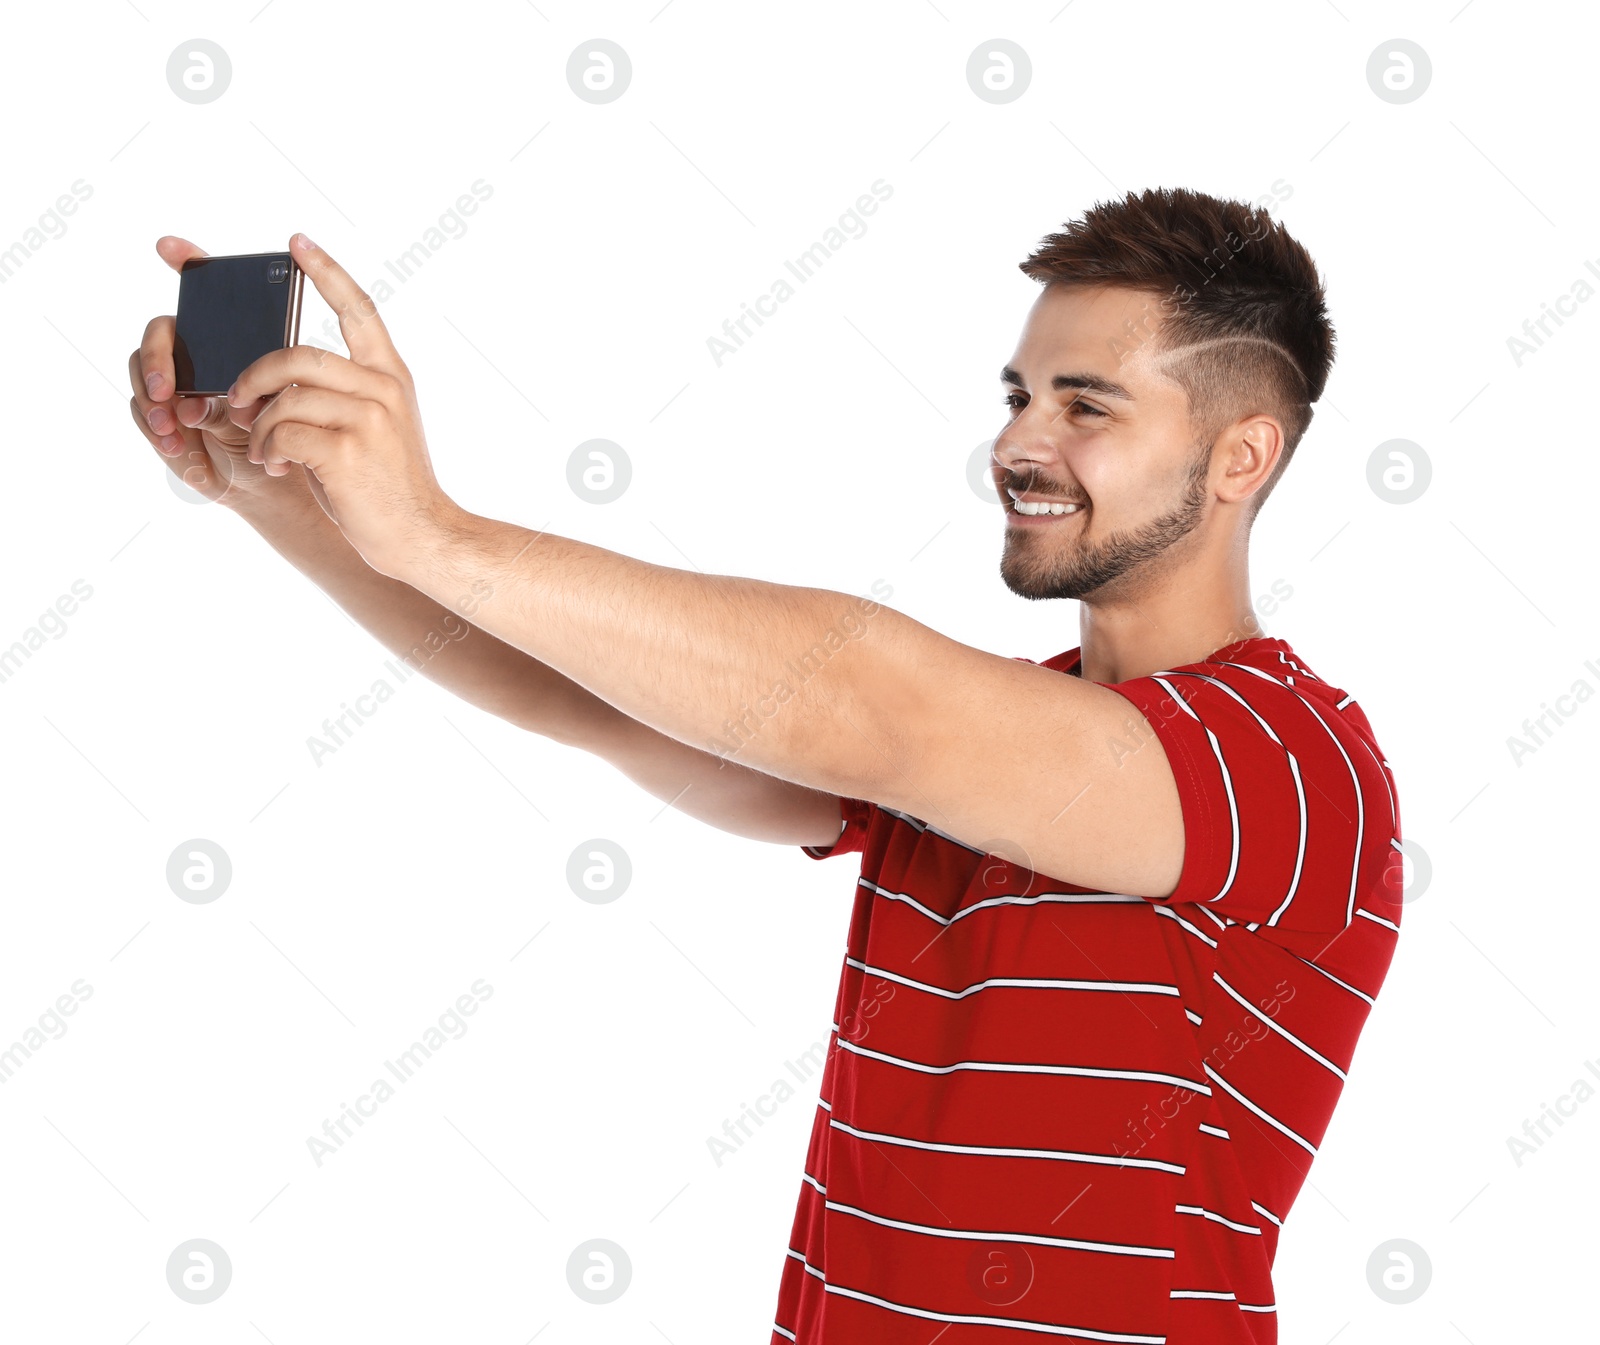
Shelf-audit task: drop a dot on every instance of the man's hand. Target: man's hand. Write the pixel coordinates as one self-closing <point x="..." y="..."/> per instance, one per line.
<point x="202" y="439"/>
<point x="353" y="424"/>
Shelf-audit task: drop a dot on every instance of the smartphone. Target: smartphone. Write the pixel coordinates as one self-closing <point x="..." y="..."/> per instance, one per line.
<point x="231" y="312"/>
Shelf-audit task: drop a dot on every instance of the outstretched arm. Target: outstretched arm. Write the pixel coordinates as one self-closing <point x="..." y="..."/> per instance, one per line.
<point x="1016" y="759"/>
<point x="1005" y="755"/>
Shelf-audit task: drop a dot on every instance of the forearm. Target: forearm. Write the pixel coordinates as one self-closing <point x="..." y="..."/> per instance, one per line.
<point x="437" y="638"/>
<point x="507" y="682"/>
<point x="800" y="683"/>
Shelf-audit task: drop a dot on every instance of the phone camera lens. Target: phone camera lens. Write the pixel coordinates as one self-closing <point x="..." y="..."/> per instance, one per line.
<point x="277" y="272"/>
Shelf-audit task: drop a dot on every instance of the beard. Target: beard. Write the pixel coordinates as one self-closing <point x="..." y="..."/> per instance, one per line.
<point x="1041" y="563"/>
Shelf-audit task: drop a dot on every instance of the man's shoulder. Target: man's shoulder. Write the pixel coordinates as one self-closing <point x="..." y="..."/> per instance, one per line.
<point x="1264" y="670"/>
<point x="1271" y="661"/>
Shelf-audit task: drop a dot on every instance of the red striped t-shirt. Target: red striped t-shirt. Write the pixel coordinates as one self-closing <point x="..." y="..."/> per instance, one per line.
<point x="1050" y="1112"/>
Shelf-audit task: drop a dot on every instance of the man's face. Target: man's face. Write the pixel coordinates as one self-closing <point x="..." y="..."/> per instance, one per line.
<point x="1092" y="422"/>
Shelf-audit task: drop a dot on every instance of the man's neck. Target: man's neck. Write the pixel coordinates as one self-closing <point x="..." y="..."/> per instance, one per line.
<point x="1119" y="651"/>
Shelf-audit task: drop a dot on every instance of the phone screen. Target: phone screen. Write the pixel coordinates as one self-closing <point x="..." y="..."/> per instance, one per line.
<point x="232" y="311"/>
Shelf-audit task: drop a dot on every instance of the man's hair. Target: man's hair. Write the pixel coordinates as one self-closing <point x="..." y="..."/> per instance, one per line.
<point x="1242" y="325"/>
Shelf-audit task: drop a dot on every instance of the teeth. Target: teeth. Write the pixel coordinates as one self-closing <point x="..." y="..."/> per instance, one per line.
<point x="1026" y="507"/>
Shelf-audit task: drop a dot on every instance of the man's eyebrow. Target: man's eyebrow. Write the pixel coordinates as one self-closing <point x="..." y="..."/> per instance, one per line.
<point x="1085" y="382"/>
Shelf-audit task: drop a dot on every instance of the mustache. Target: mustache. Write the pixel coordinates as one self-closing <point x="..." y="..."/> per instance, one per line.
<point x="1027" y="480"/>
<point x="1040" y="487"/>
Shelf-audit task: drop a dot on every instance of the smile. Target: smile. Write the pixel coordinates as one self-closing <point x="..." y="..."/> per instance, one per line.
<point x="1024" y="507"/>
<point x="1035" y="508"/>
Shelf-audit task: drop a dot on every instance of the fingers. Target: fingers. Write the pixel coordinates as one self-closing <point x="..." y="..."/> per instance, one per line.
<point x="155" y="418"/>
<point x="160" y="416"/>
<point x="169" y="416"/>
<point x="193" y="468"/>
<point x="295" y="441"/>
<point x="168" y="445"/>
<point x="175" y="251"/>
<point x="309" y="366"/>
<point x="155" y="359"/>
<point x="363" y="330"/>
<point x="154" y="377"/>
<point x="150" y="371"/>
<point x="230" y="425"/>
<point x="278" y="427"/>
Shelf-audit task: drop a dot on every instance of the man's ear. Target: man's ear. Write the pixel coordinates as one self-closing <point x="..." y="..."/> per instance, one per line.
<point x="1251" y="450"/>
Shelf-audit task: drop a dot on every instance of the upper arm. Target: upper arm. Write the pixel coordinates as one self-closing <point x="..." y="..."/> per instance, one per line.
<point x="1040" y="768"/>
<point x="1214" y="784"/>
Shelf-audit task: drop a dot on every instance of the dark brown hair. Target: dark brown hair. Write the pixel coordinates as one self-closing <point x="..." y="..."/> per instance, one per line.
<point x="1242" y="307"/>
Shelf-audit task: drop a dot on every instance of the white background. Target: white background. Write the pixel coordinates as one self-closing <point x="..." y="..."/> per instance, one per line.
<point x="372" y="890"/>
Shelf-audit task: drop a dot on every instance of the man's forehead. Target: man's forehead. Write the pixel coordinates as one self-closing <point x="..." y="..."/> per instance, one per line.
<point x="1082" y="317"/>
<point x="1095" y="338"/>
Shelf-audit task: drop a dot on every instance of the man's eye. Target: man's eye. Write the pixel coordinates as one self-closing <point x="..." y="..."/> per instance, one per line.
<point x="1084" y="408"/>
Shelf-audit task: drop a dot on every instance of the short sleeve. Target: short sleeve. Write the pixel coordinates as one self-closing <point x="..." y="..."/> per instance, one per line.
<point x="854" y="813"/>
<point x="1289" y="812"/>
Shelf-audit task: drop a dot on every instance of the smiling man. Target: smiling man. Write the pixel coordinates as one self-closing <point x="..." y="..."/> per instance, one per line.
<point x="1120" y="917"/>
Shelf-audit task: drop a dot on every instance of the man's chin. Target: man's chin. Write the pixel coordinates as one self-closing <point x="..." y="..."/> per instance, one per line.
<point x="1038" y="587"/>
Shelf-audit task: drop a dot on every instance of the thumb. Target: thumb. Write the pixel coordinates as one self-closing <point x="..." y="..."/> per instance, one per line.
<point x="212" y="414"/>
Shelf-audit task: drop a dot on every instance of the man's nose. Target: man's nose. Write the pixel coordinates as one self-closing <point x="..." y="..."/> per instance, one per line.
<point x="1024" y="449"/>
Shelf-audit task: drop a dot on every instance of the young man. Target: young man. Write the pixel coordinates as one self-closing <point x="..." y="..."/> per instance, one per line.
<point x="1121" y="917"/>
